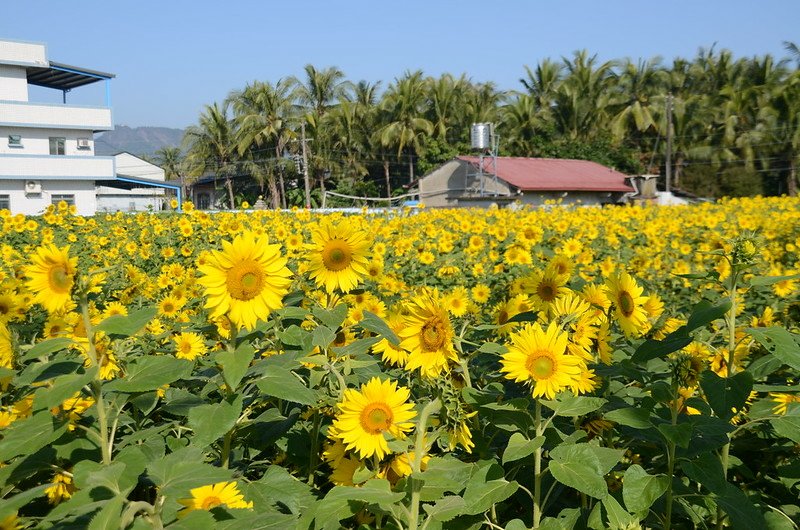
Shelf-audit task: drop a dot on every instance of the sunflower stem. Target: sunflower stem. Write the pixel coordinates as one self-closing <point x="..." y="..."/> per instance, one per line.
<point x="673" y="409"/>
<point x="537" y="469"/>
<point x="730" y="321"/>
<point x="97" y="383"/>
<point x="416" y="462"/>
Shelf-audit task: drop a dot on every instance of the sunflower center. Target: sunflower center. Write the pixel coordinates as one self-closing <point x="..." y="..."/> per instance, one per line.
<point x="60" y="280"/>
<point x="340" y="339"/>
<point x="540" y="365"/>
<point x="211" y="502"/>
<point x="4" y="308"/>
<point x="336" y="255"/>
<point x="186" y="347"/>
<point x="376" y="418"/>
<point x="626" y="304"/>
<point x="433" y="335"/>
<point x="245" y="280"/>
<point x="502" y="317"/>
<point x="546" y="292"/>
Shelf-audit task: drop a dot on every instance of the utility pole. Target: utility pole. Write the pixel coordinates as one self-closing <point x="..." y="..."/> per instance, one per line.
<point x="668" y="164"/>
<point x="305" y="164"/>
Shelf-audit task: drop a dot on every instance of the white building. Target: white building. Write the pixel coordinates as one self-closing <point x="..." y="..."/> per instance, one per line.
<point x="46" y="149"/>
<point x="129" y="199"/>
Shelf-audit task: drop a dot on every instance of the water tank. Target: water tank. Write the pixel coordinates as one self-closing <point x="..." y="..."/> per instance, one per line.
<point x="481" y="136"/>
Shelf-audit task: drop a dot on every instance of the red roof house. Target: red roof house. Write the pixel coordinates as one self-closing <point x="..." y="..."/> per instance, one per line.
<point x="463" y="182"/>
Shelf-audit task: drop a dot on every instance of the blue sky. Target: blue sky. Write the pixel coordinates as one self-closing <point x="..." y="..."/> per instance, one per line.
<point x="172" y="57"/>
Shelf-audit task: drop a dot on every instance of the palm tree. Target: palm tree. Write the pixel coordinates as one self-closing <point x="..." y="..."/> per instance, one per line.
<point x="520" y="121"/>
<point x="210" y="145"/>
<point x="636" y="86"/>
<point x="583" y="97"/>
<point x="405" y="126"/>
<point x="171" y="160"/>
<point x="262" y="112"/>
<point x="542" y="85"/>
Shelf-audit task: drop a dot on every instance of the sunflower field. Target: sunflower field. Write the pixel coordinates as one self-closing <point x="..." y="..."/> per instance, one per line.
<point x="545" y="368"/>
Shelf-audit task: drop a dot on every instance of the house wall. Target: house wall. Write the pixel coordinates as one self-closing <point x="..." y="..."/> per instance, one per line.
<point x="13" y="83"/>
<point x="135" y="200"/>
<point x="133" y="166"/>
<point x="587" y="198"/>
<point x="455" y="182"/>
<point x="37" y="141"/>
<point x="83" y="190"/>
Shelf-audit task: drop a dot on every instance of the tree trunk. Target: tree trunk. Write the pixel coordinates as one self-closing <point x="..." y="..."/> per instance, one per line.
<point x="283" y="188"/>
<point x="229" y="185"/>
<point x="273" y="192"/>
<point x="677" y="170"/>
<point x="410" y="168"/>
<point x="388" y="180"/>
<point x="791" y="182"/>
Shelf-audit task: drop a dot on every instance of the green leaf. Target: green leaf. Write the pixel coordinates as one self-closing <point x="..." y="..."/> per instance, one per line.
<point x="487" y="487"/>
<point x="64" y="387"/>
<point x="678" y="434"/>
<point x="707" y="470"/>
<point x="788" y="427"/>
<point x="637" y="418"/>
<point x="211" y="422"/>
<point x="279" y="486"/>
<point x="108" y="518"/>
<point x="443" y="474"/>
<point x="567" y="404"/>
<point x="46" y="347"/>
<point x="742" y="513"/>
<point x="322" y="336"/>
<point x="178" y="472"/>
<point x="127" y="325"/>
<point x="285" y="385"/>
<point x="640" y="490"/>
<point x="520" y="447"/>
<point x="292" y="313"/>
<point x="10" y="505"/>
<point x="25" y="437"/>
<point x="581" y="477"/>
<point x="705" y="313"/>
<point x="235" y="364"/>
<point x="617" y="516"/>
<point x="726" y="395"/>
<point x="338" y="503"/>
<point x="493" y="348"/>
<point x="656" y="349"/>
<point x="376" y="324"/>
<point x="583" y="467"/>
<point x="779" y="342"/>
<point x="149" y="373"/>
<point x="445" y="508"/>
<point x="759" y="281"/>
<point x="332" y="318"/>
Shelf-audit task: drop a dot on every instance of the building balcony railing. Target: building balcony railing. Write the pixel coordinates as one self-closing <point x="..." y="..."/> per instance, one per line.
<point x="55" y="116"/>
<point x="56" y="167"/>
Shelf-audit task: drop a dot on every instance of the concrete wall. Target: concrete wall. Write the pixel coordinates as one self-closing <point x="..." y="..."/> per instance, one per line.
<point x="13" y="84"/>
<point x="55" y="116"/>
<point x="136" y="200"/>
<point x="55" y="167"/>
<point x="32" y="53"/>
<point x="37" y="141"/>
<point x="133" y="166"/>
<point x="36" y="204"/>
<point x="443" y="187"/>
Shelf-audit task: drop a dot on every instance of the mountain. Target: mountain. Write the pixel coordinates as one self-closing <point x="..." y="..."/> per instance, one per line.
<point x="140" y="141"/>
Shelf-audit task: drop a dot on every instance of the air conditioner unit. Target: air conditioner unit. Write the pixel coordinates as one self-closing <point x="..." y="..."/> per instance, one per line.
<point x="33" y="187"/>
<point x="83" y="143"/>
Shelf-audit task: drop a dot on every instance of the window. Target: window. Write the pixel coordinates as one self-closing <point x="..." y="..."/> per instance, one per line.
<point x="5" y="202"/>
<point x="57" y="145"/>
<point x="14" y="140"/>
<point x="69" y="199"/>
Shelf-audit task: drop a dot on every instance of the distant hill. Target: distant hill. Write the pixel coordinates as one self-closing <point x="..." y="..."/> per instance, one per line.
<point x="136" y="140"/>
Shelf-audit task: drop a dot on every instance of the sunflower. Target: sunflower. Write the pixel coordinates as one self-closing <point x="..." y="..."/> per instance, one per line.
<point x="170" y="305"/>
<point x="782" y="401"/>
<point x="51" y="277"/>
<point x="246" y="280"/>
<point x="427" y="335"/>
<point x="626" y="296"/>
<point x="390" y="353"/>
<point x="368" y="415"/>
<point x="61" y="488"/>
<point x="538" y="356"/>
<point x="338" y="256"/>
<point x="189" y="346"/>
<point x="6" y="347"/>
<point x="207" y="497"/>
<point x="545" y="289"/>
